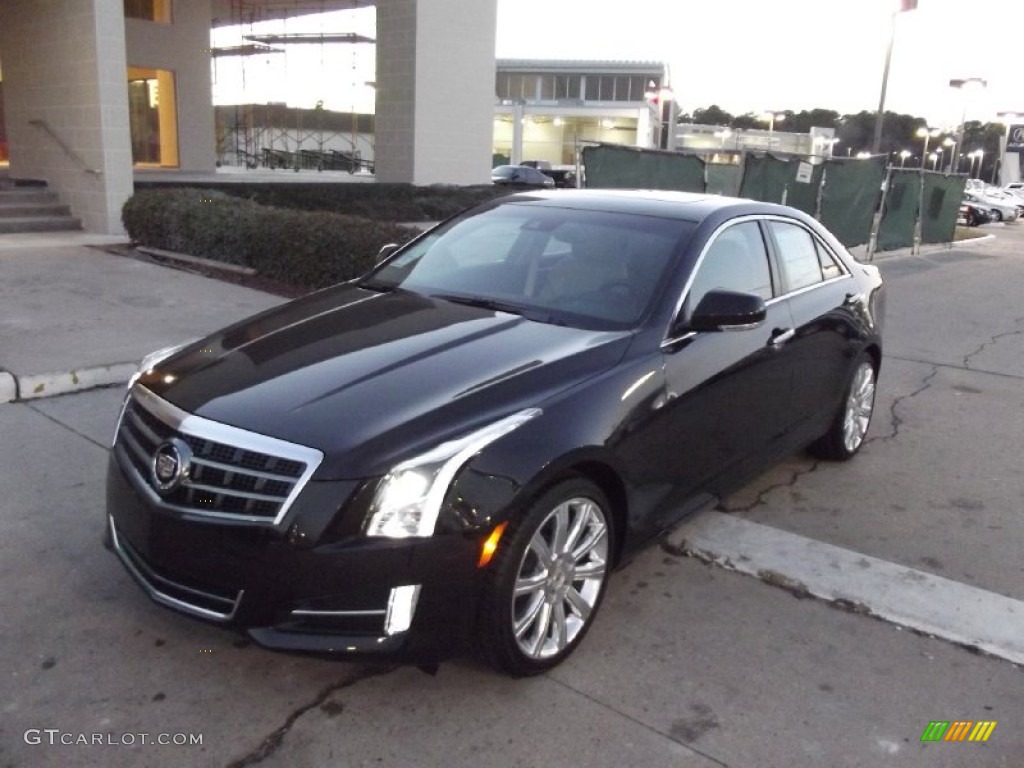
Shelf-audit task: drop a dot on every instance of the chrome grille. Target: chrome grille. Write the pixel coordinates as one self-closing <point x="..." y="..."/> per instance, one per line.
<point x="232" y="474"/>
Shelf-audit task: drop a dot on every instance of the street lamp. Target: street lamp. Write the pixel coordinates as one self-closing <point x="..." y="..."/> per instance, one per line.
<point x="965" y="86"/>
<point x="904" y="154"/>
<point x="904" y="5"/>
<point x="978" y="154"/>
<point x="722" y="135"/>
<point x="948" y="142"/>
<point x="926" y="134"/>
<point x="771" y="118"/>
<point x="937" y="154"/>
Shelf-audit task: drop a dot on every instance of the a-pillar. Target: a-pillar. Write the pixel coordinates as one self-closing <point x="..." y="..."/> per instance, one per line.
<point x="435" y="91"/>
<point x="66" y="102"/>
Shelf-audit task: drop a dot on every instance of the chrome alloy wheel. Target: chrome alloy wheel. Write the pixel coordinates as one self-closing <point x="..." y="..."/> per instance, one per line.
<point x="560" y="578"/>
<point x="859" y="405"/>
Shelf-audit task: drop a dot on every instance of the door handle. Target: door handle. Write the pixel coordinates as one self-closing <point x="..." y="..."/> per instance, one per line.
<point x="780" y="337"/>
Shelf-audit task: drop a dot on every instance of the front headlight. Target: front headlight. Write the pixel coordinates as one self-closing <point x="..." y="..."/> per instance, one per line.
<point x="408" y="500"/>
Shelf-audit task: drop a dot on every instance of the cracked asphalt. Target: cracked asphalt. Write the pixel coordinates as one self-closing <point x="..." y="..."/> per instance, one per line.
<point x="687" y="665"/>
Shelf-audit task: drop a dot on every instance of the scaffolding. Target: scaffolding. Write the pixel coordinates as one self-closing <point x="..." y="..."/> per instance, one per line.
<point x="274" y="135"/>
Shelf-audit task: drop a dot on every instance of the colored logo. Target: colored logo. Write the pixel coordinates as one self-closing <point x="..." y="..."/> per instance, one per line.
<point x="958" y="730"/>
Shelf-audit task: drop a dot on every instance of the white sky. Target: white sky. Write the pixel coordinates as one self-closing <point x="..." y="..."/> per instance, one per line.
<point x="757" y="55"/>
<point x="744" y="55"/>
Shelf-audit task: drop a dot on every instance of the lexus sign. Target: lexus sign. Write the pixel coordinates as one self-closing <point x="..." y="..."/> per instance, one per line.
<point x="1015" y="139"/>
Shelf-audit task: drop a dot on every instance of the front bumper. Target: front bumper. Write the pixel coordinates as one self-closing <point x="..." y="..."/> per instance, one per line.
<point x="343" y="596"/>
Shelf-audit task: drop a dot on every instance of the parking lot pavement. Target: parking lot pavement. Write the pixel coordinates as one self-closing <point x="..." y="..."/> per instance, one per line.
<point x="76" y="317"/>
<point x="688" y="664"/>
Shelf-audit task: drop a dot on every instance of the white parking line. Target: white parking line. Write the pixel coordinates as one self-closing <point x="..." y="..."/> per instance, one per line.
<point x="906" y="596"/>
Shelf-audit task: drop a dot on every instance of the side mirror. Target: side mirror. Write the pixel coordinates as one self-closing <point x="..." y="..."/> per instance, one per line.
<point x="386" y="250"/>
<point x="728" y="311"/>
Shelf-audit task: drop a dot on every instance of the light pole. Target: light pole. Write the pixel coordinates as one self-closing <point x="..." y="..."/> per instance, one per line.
<point x="772" y="118"/>
<point x="926" y="133"/>
<point x="904" y="154"/>
<point x="935" y="158"/>
<point x="948" y="142"/>
<point x="965" y="86"/>
<point x="977" y="154"/>
<point x="904" y="5"/>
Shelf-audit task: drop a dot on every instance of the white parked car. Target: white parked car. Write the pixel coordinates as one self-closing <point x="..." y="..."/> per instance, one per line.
<point x="1002" y="209"/>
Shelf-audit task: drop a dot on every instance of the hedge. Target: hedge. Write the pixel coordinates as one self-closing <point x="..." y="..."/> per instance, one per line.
<point x="380" y="201"/>
<point x="309" y="249"/>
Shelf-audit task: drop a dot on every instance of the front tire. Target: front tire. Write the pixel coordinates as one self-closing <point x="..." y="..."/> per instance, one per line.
<point x="846" y="434"/>
<point x="547" y="579"/>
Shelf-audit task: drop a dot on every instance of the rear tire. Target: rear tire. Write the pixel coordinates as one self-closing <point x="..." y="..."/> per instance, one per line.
<point x="547" y="579"/>
<point x="850" y="426"/>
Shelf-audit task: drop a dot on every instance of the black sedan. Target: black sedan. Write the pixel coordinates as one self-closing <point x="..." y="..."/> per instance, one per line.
<point x="454" y="452"/>
<point x="520" y="176"/>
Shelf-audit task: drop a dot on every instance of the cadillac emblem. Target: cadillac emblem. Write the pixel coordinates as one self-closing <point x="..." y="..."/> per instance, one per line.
<point x="170" y="465"/>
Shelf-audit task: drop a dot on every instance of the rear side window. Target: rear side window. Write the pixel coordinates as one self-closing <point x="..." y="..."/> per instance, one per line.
<point x="798" y="256"/>
<point x="735" y="261"/>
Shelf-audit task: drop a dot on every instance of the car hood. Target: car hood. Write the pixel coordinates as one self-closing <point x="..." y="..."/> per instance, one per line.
<point x="372" y="378"/>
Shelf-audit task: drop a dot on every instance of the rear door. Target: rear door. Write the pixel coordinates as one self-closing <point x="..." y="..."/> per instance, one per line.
<point x="822" y="299"/>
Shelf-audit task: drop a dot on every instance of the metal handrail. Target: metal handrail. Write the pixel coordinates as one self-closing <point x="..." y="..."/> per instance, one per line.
<point x="63" y="145"/>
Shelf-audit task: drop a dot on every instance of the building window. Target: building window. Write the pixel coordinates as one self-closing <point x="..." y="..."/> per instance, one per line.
<point x="153" y="116"/>
<point x="148" y="10"/>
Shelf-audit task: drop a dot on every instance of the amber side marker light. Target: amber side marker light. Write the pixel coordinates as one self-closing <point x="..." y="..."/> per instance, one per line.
<point x="490" y="545"/>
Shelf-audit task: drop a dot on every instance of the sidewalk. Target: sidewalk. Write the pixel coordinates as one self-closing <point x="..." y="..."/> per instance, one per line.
<point x="74" y="317"/>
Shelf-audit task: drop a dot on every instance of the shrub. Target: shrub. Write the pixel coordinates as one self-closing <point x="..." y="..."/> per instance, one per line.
<point x="307" y="249"/>
<point x="384" y="202"/>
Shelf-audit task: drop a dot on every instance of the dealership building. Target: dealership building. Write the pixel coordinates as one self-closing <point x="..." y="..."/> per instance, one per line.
<point x="87" y="82"/>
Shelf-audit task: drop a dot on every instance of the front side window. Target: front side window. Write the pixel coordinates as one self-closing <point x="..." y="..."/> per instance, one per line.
<point x="735" y="261"/>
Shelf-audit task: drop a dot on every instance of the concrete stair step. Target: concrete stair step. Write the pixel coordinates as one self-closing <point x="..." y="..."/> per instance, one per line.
<point x="10" y="226"/>
<point x="27" y="195"/>
<point x="28" y="210"/>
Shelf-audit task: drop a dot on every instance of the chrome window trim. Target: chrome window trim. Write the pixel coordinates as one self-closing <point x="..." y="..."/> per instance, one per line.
<point x="756" y="217"/>
<point x="146" y="580"/>
<point x="809" y="288"/>
<point x="207" y="429"/>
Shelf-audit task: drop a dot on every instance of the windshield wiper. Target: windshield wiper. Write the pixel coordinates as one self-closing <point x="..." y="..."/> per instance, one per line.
<point x="376" y="285"/>
<point x="499" y="306"/>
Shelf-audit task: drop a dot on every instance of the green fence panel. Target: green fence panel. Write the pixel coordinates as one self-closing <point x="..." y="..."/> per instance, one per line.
<point x="899" y="211"/>
<point x="793" y="181"/>
<point x="632" y="168"/>
<point x="850" y="196"/>
<point x="942" y="196"/>
<point x="724" y="179"/>
<point x="764" y="178"/>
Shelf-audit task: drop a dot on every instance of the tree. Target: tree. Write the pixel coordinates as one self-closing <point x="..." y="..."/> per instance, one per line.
<point x="747" y="121"/>
<point x="713" y="115"/>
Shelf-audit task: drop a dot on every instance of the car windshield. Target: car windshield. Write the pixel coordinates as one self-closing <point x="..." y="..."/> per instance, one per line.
<point x="504" y="171"/>
<point x="589" y="269"/>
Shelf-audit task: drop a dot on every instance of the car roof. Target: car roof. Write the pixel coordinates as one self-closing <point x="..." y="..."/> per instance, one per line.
<point x="688" y="206"/>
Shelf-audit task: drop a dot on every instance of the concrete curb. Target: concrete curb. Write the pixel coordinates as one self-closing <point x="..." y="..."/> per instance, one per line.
<point x="905" y="596"/>
<point x="34" y="386"/>
<point x="185" y="258"/>
<point x="8" y="387"/>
